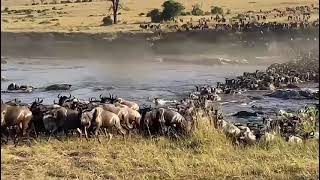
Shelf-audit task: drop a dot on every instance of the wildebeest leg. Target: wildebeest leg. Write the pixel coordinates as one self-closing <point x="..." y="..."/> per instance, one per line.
<point x="80" y="133"/>
<point x="110" y="137"/>
<point x="86" y="133"/>
<point x="105" y="132"/>
<point x="96" y="133"/>
<point x="35" y="132"/>
<point x="148" y="130"/>
<point x="15" y="136"/>
<point x="120" y="129"/>
<point x="54" y="132"/>
<point x="162" y="128"/>
<point x="8" y="135"/>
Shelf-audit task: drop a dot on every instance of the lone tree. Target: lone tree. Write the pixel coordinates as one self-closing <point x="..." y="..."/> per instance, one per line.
<point x="115" y="7"/>
<point x="155" y="15"/>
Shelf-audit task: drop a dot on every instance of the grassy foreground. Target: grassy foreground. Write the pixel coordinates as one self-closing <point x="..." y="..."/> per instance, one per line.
<point x="207" y="154"/>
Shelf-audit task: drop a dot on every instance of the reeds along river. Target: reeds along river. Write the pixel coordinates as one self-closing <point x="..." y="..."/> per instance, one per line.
<point x="139" y="71"/>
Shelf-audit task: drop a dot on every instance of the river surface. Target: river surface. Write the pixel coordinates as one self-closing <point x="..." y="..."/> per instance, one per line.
<point x="134" y="80"/>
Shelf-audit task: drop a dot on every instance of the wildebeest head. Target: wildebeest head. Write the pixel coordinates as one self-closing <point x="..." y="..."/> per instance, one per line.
<point x="63" y="99"/>
<point x="93" y="99"/>
<point x="111" y="99"/>
<point x="36" y="103"/>
<point x="14" y="102"/>
<point x="86" y="117"/>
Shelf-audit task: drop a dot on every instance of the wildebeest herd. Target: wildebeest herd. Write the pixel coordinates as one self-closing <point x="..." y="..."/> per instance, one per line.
<point x="89" y="117"/>
<point x="109" y="115"/>
<point x="295" y="19"/>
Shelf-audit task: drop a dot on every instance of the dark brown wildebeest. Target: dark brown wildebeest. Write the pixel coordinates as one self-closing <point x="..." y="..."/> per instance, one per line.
<point x="151" y="120"/>
<point x="62" y="119"/>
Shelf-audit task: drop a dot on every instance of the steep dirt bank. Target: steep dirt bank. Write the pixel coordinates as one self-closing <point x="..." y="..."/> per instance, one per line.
<point x="140" y="44"/>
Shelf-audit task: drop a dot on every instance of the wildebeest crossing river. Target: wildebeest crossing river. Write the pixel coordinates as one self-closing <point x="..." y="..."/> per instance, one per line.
<point x="167" y="76"/>
<point x="133" y="81"/>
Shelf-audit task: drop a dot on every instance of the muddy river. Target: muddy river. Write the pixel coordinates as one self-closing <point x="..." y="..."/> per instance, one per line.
<point x="164" y="76"/>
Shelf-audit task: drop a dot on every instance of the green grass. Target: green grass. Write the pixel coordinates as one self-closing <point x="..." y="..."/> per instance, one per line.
<point x="207" y="154"/>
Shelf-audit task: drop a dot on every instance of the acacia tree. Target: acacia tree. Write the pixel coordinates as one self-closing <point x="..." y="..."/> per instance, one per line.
<point x="115" y="7"/>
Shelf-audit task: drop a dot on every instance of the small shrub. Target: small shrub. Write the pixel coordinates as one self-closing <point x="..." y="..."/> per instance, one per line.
<point x="188" y="13"/>
<point x="155" y="15"/>
<point x="228" y="11"/>
<point x="183" y="14"/>
<point x="207" y="13"/>
<point x="196" y="11"/>
<point x="45" y="22"/>
<point x="216" y="10"/>
<point x="171" y="9"/>
<point x="141" y="14"/>
<point x="107" y="21"/>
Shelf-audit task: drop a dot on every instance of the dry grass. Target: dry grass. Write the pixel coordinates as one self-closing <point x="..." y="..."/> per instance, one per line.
<point x="207" y="154"/>
<point x="87" y="17"/>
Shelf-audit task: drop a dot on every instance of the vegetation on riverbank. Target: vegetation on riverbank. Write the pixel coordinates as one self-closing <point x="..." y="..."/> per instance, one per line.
<point x="206" y="154"/>
<point x="21" y="16"/>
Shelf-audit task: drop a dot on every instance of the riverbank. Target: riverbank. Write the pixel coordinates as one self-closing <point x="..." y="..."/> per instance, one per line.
<point x="181" y="43"/>
<point x="207" y="154"/>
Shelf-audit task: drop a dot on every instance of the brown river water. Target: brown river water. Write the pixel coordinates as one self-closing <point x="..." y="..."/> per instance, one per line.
<point x="167" y="76"/>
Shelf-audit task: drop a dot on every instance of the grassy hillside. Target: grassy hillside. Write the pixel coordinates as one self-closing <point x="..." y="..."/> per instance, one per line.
<point x="87" y="17"/>
<point x="207" y="154"/>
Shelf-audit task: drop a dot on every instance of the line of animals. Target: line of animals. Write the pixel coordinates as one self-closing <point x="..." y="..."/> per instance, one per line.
<point x="175" y="119"/>
<point x="89" y="117"/>
<point x="110" y="115"/>
<point x="284" y="75"/>
<point x="298" y="18"/>
<point x="261" y="27"/>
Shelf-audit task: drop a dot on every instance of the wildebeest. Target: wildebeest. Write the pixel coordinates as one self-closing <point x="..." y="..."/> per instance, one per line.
<point x="122" y="113"/>
<point x="134" y="116"/>
<point x="102" y="118"/>
<point x="62" y="119"/>
<point x="171" y="118"/>
<point x="66" y="101"/>
<point x="15" y="116"/>
<point x="130" y="104"/>
<point x="56" y="87"/>
<point x="151" y="120"/>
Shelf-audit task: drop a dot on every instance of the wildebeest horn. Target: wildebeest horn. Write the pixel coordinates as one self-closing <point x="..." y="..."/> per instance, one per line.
<point x="41" y="101"/>
<point x="54" y="101"/>
<point x="69" y="95"/>
<point x="58" y="95"/>
<point x="100" y="96"/>
<point x="110" y="96"/>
